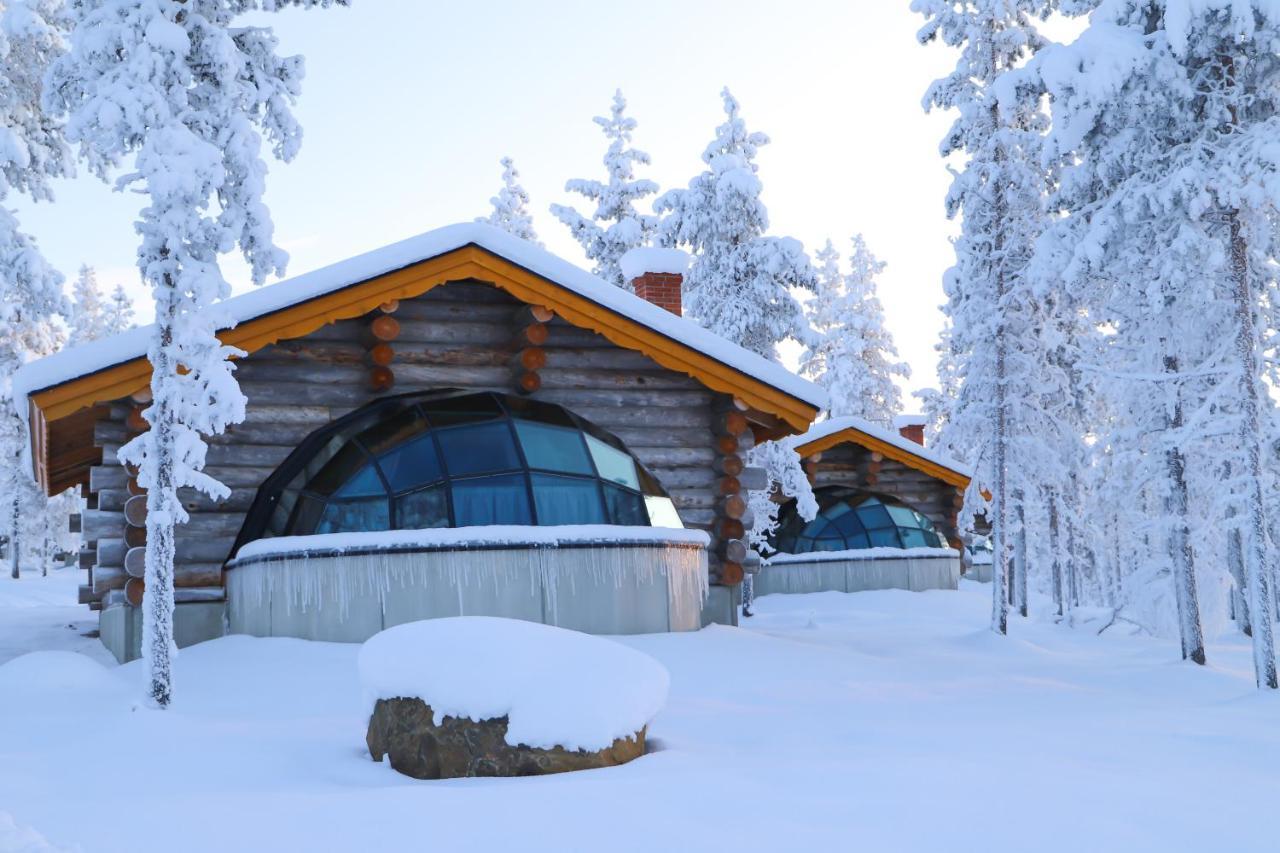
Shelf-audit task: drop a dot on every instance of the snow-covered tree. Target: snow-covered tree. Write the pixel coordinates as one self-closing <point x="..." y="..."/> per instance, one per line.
<point x="997" y="194"/>
<point x="852" y="354"/>
<point x="88" y="313"/>
<point x="119" y="311"/>
<point x="1166" y="114"/>
<point x="740" y="285"/>
<point x="615" y="226"/>
<point x="32" y="152"/>
<point x="511" y="206"/>
<point x="185" y="91"/>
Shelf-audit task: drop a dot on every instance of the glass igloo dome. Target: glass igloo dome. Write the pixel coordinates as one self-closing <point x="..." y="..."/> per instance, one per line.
<point x="456" y="459"/>
<point x="850" y="519"/>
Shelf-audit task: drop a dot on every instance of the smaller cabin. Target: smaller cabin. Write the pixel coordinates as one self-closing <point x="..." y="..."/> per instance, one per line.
<point x="887" y="513"/>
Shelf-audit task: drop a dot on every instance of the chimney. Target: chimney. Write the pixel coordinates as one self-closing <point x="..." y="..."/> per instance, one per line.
<point x="656" y="275"/>
<point x="911" y="427"/>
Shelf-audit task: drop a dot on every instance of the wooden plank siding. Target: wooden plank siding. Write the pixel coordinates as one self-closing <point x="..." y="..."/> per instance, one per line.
<point x="454" y="336"/>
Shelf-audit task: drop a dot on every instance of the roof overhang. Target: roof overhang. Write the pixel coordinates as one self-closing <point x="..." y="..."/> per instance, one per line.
<point x="915" y="461"/>
<point x="54" y="409"/>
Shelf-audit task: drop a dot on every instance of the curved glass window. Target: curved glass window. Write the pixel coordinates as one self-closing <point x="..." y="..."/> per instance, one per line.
<point x="456" y="459"/>
<point x="848" y="519"/>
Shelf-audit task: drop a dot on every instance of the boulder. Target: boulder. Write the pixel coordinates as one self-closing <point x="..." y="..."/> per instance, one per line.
<point x="406" y="731"/>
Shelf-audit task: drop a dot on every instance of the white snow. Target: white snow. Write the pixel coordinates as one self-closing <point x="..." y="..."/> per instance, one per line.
<point x="482" y="535"/>
<point x="900" y="421"/>
<point x="44" y="613"/>
<point x="834" y="425"/>
<point x="881" y="553"/>
<point x="876" y="721"/>
<point x="98" y="355"/>
<point x="636" y="262"/>
<point x="556" y="687"/>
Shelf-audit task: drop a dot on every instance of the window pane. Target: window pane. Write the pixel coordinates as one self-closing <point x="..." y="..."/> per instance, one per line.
<point x="829" y="545"/>
<point x="365" y="483"/>
<point x="903" y="516"/>
<point x="354" y="516"/>
<point x="567" y="500"/>
<point x="932" y="539"/>
<point x="635" y="510"/>
<point x="534" y="410"/>
<point x="305" y="516"/>
<point x="837" y="510"/>
<point x="915" y="538"/>
<point x="478" y="449"/>
<point x="886" y="538"/>
<point x="465" y="409"/>
<point x="613" y="464"/>
<point x="414" y="463"/>
<point x="874" y="517"/>
<point x="553" y="448"/>
<point x="491" y="500"/>
<point x="396" y="429"/>
<point x="662" y="512"/>
<point x="422" y="509"/>
<point x="346" y="462"/>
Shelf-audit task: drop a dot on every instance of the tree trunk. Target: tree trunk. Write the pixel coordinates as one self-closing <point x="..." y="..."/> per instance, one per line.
<point x="1020" y="555"/>
<point x="1055" y="555"/>
<point x="1001" y="558"/>
<point x="162" y="507"/>
<point x="1183" y="559"/>
<point x="1235" y="565"/>
<point x="1257" y="567"/>
<point x="15" y="539"/>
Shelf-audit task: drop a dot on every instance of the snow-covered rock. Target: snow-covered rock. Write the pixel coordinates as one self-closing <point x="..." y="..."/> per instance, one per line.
<point x="557" y="688"/>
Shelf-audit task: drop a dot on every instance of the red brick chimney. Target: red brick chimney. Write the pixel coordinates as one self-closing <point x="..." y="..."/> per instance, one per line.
<point x="911" y="427"/>
<point x="656" y="275"/>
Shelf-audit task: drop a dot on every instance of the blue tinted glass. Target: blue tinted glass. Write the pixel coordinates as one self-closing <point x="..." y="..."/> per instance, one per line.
<point x="629" y="508"/>
<point x="849" y="523"/>
<point x="915" y="538"/>
<point x="567" y="500"/>
<point x="553" y="448"/>
<point x="836" y="510"/>
<point x="478" y="448"/>
<point x="829" y="545"/>
<point x="885" y="538"/>
<point x="338" y="469"/>
<point x="491" y="500"/>
<point x="412" y="464"/>
<point x="465" y="409"/>
<point x="874" y="517"/>
<point x="355" y="516"/>
<point x="902" y="516"/>
<point x="422" y="509"/>
<point x="306" y="515"/>
<point x="613" y="464"/>
<point x="364" y="484"/>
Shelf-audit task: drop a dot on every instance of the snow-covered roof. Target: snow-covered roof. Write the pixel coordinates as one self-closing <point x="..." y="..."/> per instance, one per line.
<point x="94" y="356"/>
<point x="866" y="433"/>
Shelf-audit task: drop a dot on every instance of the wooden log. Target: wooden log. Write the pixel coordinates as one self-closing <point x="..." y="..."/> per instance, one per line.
<point x="198" y="595"/>
<point x="99" y="524"/>
<point x="142" y="395"/>
<point x="530" y="335"/>
<point x="727" y="403"/>
<point x="105" y="580"/>
<point x="383" y="328"/>
<point x="534" y="314"/>
<point x="754" y="479"/>
<point x="95" y="605"/>
<point x="748" y="519"/>
<point x="382" y="354"/>
<point x="135" y="511"/>
<point x="528" y="382"/>
<point x="529" y="358"/>
<point x="136" y="422"/>
<point x="726" y="444"/>
<point x="381" y="379"/>
<point x="85" y="594"/>
<point x="730" y="466"/>
<point x="185" y="575"/>
<point x="391" y="306"/>
<point x="730" y="528"/>
<point x="74" y="523"/>
<point x="728" y="486"/>
<point x="134" y="487"/>
<point x="733" y="506"/>
<point x="111" y="552"/>
<point x="733" y="550"/>
<point x="732" y="423"/>
<point x="134" y="590"/>
<point x="135" y="562"/>
<point x="730" y="574"/>
<point x="87" y="557"/>
<point x="135" y="536"/>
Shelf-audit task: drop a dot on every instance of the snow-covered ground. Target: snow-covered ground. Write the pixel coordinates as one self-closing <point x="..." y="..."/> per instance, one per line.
<point x="873" y="721"/>
<point x="40" y="612"/>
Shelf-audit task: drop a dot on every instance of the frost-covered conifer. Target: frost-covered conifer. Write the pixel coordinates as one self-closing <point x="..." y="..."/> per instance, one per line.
<point x="185" y="92"/>
<point x="32" y="152"/>
<point x="88" y="314"/>
<point x="741" y="280"/>
<point x="852" y="354"/>
<point x="511" y="206"/>
<point x="119" y="311"/>
<point x="997" y="195"/>
<point x="615" y="226"/>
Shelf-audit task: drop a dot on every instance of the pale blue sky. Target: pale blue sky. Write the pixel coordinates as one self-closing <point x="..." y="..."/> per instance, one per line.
<point x="408" y="105"/>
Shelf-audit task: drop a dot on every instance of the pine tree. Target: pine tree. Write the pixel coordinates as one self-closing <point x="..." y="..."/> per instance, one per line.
<point x="852" y="355"/>
<point x="88" y="314"/>
<point x="30" y="290"/>
<point x="511" y="206"/>
<point x="128" y="85"/>
<point x="740" y="283"/>
<point x="119" y="312"/>
<point x="614" y="227"/>
<point x="997" y="195"/>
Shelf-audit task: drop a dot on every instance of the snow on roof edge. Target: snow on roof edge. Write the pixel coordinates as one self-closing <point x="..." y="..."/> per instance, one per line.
<point x="70" y="363"/>
<point x="835" y="425"/>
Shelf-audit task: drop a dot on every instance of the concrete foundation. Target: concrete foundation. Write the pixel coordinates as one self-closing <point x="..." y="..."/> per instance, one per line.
<point x="120" y="627"/>
<point x="722" y="606"/>
<point x="597" y="588"/>
<point x="910" y="573"/>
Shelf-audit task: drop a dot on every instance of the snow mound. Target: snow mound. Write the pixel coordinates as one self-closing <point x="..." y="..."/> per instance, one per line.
<point x="556" y="687"/>
<point x="636" y="262"/>
<point x="57" y="677"/>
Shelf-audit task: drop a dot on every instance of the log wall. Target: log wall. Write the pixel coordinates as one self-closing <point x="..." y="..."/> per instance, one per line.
<point x="462" y="335"/>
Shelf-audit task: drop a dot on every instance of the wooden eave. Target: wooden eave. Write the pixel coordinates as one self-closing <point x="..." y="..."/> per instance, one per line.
<point x="50" y="407"/>
<point x="853" y="435"/>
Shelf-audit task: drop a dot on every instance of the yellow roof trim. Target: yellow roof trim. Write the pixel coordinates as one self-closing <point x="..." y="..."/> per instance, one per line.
<point x="889" y="451"/>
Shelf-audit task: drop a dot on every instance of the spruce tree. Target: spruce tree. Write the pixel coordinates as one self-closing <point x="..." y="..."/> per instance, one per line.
<point x="511" y="206"/>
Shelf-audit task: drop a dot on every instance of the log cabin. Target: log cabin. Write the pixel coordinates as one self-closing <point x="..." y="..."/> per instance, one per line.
<point x="887" y="513"/>
<point x="460" y="422"/>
